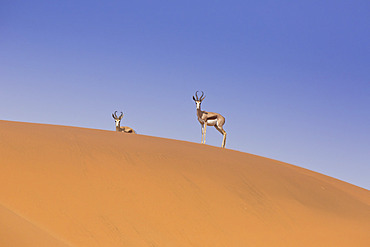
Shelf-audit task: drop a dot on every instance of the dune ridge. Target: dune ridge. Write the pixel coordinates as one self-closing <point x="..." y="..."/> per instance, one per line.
<point x="18" y="231"/>
<point x="86" y="187"/>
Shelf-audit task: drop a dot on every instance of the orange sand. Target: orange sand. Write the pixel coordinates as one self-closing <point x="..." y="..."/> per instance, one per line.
<point x="67" y="186"/>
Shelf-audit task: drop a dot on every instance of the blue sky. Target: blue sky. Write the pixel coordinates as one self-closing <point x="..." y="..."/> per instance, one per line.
<point x="292" y="78"/>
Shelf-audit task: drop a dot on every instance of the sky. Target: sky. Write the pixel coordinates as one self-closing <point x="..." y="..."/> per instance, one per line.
<point x="291" y="78"/>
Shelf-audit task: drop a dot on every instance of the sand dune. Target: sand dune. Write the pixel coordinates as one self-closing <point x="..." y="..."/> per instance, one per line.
<point x="17" y="231"/>
<point x="67" y="186"/>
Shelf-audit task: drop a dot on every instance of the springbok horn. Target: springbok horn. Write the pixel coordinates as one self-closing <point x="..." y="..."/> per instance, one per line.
<point x="196" y="95"/>
<point x="115" y="114"/>
<point x="201" y="97"/>
<point x="120" y="116"/>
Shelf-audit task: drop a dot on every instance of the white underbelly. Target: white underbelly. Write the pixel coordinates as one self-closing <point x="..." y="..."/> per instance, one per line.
<point x="211" y="122"/>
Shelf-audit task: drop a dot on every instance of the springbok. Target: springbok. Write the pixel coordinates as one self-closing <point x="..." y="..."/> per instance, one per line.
<point x="119" y="128"/>
<point x="210" y="119"/>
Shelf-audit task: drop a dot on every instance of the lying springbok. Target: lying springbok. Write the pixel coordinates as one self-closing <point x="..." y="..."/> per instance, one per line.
<point x="119" y="128"/>
<point x="210" y="119"/>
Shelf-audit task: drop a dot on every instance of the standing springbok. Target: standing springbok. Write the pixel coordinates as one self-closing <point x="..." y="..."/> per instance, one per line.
<point x="119" y="128"/>
<point x="210" y="119"/>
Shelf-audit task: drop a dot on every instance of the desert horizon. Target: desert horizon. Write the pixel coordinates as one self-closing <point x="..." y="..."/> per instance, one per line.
<point x="71" y="186"/>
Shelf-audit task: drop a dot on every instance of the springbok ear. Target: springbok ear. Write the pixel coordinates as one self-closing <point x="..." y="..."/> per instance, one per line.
<point x="194" y="98"/>
<point x="113" y="116"/>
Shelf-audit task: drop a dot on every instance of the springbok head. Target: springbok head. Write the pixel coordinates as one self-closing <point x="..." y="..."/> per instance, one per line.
<point x="117" y="119"/>
<point x="198" y="100"/>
